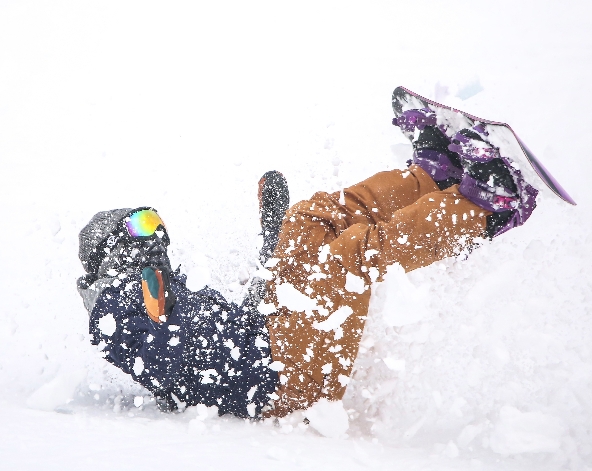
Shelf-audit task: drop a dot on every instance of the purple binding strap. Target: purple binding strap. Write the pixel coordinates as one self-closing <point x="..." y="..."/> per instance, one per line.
<point x="419" y="119"/>
<point x="489" y="198"/>
<point x="436" y="164"/>
<point x="485" y="196"/>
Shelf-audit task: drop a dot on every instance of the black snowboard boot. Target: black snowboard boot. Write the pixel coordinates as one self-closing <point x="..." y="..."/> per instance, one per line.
<point x="430" y="146"/>
<point x="493" y="182"/>
<point x="274" y="200"/>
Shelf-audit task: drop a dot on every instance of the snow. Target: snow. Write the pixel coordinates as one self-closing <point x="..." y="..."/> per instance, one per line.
<point x="293" y="299"/>
<point x="184" y="106"/>
<point x="354" y="284"/>
<point x="138" y="366"/>
<point x="329" y="418"/>
<point x="526" y="432"/>
<point x="107" y="324"/>
<point x="404" y="298"/>
<point x="334" y="321"/>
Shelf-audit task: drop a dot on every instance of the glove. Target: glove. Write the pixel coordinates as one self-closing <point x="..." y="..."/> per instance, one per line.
<point x="158" y="296"/>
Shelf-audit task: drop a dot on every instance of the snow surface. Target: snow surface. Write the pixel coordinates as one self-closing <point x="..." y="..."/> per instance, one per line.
<point x="183" y="106"/>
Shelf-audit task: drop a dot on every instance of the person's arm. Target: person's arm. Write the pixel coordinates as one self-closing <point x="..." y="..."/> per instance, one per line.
<point x="151" y="352"/>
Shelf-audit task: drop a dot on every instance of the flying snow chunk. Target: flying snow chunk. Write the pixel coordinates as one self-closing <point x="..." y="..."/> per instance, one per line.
<point x="208" y="376"/>
<point x="276" y="366"/>
<point x="354" y="284"/>
<point x="324" y="252"/>
<point x="293" y="299"/>
<point x="335" y="320"/>
<point x="272" y="262"/>
<point x="235" y="353"/>
<point x="260" y="343"/>
<point x="252" y="409"/>
<point x="107" y="325"/>
<point x="373" y="273"/>
<point x="329" y="418"/>
<point x="252" y="392"/>
<point x="266" y="309"/>
<point x="138" y="366"/>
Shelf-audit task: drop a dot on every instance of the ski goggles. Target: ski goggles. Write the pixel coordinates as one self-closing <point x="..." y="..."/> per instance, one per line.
<point x="143" y="223"/>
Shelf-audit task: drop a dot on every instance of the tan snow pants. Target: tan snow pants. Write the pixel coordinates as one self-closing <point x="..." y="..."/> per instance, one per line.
<point x="331" y="248"/>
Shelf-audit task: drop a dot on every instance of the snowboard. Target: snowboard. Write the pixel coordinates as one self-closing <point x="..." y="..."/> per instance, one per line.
<point x="500" y="135"/>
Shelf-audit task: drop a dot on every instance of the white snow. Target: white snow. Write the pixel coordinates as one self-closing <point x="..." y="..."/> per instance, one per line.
<point x="517" y="432"/>
<point x="329" y="418"/>
<point x="293" y="299"/>
<point x="266" y="308"/>
<point x="107" y="325"/>
<point x="138" y="366"/>
<point x="276" y="366"/>
<point x="335" y="320"/>
<point x="354" y="284"/>
<point x="481" y="363"/>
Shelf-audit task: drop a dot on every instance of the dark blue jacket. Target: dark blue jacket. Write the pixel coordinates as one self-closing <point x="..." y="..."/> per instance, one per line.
<point x="208" y="351"/>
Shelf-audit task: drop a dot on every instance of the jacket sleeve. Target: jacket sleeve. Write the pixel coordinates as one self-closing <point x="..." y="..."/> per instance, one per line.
<point x="208" y="351"/>
<point x="150" y="352"/>
<point x="232" y="358"/>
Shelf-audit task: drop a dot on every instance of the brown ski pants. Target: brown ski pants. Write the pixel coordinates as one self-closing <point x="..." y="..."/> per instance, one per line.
<point x="331" y="248"/>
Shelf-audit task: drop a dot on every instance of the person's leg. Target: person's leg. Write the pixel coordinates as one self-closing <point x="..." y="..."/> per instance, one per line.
<point x="332" y="252"/>
<point x="313" y="223"/>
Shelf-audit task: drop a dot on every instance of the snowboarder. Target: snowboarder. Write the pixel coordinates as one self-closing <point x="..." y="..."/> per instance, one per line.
<point x="295" y="337"/>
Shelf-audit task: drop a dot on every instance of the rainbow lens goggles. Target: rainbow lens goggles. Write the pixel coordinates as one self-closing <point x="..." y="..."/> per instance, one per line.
<point x="143" y="223"/>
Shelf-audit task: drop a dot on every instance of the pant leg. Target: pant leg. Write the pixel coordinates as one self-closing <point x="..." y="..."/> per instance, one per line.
<point x="330" y="252"/>
<point x="369" y="202"/>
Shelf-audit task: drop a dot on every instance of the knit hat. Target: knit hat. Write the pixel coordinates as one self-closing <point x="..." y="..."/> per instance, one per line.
<point x="95" y="233"/>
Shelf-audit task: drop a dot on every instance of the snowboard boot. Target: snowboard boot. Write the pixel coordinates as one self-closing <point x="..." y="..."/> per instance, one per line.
<point x="274" y="199"/>
<point x="493" y="182"/>
<point x="430" y="147"/>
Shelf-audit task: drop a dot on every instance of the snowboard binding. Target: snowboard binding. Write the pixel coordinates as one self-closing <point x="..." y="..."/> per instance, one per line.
<point x="493" y="167"/>
<point x="431" y="147"/>
<point x="493" y="182"/>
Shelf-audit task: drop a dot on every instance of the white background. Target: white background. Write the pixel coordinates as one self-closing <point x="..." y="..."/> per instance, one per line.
<point x="183" y="106"/>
